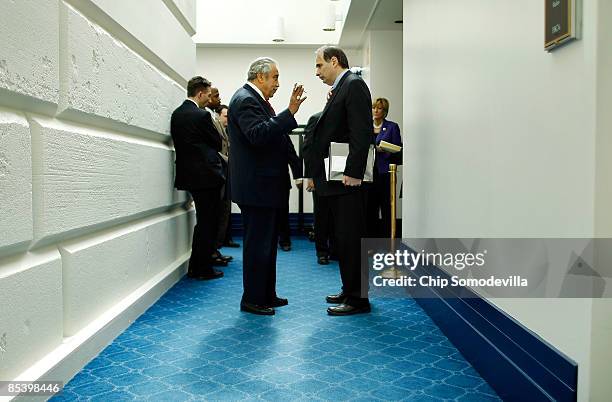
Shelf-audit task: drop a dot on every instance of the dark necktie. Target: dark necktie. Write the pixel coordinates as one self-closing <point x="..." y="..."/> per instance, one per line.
<point x="270" y="107"/>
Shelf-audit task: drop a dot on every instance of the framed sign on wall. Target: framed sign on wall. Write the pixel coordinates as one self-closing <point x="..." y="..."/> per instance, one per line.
<point x="563" y="22"/>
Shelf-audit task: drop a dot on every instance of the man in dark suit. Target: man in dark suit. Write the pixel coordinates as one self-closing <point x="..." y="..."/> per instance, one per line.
<point x="199" y="170"/>
<point x="284" y="230"/>
<point x="347" y="117"/>
<point x="260" y="147"/>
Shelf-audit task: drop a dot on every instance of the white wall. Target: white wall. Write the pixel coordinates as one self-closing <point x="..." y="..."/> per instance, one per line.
<point x="227" y="68"/>
<point x="385" y="73"/>
<point x="502" y="141"/>
<point x="89" y="217"/>
<point x="254" y="22"/>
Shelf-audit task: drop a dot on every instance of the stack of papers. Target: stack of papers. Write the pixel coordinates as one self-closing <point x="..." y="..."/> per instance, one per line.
<point x="388" y="147"/>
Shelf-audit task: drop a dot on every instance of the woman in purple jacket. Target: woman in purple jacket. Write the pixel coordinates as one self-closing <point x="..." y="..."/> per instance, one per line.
<point x="378" y="196"/>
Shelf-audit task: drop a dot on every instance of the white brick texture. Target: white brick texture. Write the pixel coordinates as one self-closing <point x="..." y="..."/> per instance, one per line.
<point x="31" y="312"/>
<point x="29" y="33"/>
<point x="99" y="273"/>
<point x="102" y="77"/>
<point x="85" y="177"/>
<point x="15" y="180"/>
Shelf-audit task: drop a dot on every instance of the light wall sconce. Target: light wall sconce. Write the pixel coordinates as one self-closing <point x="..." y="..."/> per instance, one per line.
<point x="279" y="30"/>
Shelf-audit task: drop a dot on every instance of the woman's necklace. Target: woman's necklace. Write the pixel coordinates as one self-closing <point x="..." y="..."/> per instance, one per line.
<point x="379" y="125"/>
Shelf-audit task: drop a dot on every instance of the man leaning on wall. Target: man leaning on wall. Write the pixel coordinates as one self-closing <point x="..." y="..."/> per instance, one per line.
<point x="199" y="170"/>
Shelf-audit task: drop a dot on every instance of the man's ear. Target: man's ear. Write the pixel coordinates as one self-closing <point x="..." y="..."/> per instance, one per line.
<point x="334" y="61"/>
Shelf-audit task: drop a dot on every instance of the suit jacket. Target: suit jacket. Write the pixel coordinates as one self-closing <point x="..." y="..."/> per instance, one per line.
<point x="347" y="117"/>
<point x="196" y="142"/>
<point x="295" y="163"/>
<point x="260" y="147"/>
<point x="389" y="132"/>
<point x="222" y="132"/>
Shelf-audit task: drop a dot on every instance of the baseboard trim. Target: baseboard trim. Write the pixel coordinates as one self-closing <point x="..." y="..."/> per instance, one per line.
<point x="516" y="362"/>
<point x="75" y="352"/>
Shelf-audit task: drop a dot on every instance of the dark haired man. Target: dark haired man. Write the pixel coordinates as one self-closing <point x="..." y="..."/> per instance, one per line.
<point x="199" y="170"/>
<point x="347" y="117"/>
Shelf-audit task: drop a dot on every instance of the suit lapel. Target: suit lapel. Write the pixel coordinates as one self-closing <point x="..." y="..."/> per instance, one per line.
<point x="261" y="101"/>
<point x="334" y="94"/>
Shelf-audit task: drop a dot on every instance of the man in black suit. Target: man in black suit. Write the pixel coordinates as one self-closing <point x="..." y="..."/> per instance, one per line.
<point x="199" y="170"/>
<point x="284" y="230"/>
<point x="322" y="224"/>
<point x="347" y="117"/>
<point x="260" y="147"/>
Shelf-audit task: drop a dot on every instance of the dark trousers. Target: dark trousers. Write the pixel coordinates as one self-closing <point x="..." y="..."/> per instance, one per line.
<point x="347" y="212"/>
<point x="379" y="201"/>
<point x="284" y="231"/>
<point x="225" y="211"/>
<point x="322" y="225"/>
<point x="207" y="202"/>
<point x="259" y="254"/>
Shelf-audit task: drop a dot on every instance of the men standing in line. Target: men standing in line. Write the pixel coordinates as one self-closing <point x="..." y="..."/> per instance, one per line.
<point x="260" y="142"/>
<point x="199" y="170"/>
<point x="225" y="232"/>
<point x="347" y="117"/>
<point x="225" y="207"/>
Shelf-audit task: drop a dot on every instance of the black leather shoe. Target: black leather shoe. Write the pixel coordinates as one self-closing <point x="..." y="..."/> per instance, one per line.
<point x="345" y="309"/>
<point x="256" y="309"/>
<point x="231" y="243"/>
<point x="323" y="260"/>
<point x="213" y="274"/>
<point x="227" y="258"/>
<point x="279" y="302"/>
<point x="336" y="299"/>
<point x="219" y="262"/>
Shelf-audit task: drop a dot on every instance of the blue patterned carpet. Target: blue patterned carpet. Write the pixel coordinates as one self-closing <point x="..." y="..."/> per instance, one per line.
<point x="194" y="344"/>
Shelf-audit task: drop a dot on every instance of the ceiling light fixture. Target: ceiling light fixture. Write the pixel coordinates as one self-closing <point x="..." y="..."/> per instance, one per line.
<point x="330" y="18"/>
<point x="279" y="30"/>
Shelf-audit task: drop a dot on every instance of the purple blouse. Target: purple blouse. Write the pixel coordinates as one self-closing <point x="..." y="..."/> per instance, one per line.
<point x="389" y="132"/>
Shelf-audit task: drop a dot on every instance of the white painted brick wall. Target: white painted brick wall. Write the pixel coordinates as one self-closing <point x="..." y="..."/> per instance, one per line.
<point x="29" y="36"/>
<point x="188" y="9"/>
<point x="102" y="196"/>
<point x="102" y="77"/>
<point x="15" y="180"/>
<point x="84" y="177"/>
<point x="100" y="272"/>
<point x="31" y="312"/>
<point x="171" y="44"/>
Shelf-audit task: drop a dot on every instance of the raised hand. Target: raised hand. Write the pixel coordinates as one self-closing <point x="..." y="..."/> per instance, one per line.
<point x="297" y="97"/>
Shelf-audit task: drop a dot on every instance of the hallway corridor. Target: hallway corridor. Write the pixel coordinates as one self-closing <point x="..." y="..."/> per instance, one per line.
<point x="195" y="344"/>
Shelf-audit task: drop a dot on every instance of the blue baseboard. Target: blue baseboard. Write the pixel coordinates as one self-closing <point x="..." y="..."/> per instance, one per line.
<point x="236" y="223"/>
<point x="517" y="363"/>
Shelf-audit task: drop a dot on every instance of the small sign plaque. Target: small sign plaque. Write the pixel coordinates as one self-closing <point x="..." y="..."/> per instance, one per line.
<point x="561" y="22"/>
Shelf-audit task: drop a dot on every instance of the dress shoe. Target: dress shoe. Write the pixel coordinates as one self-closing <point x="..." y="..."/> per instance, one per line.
<point x="285" y="247"/>
<point x="323" y="260"/>
<point x="336" y="299"/>
<point x="213" y="274"/>
<point x="219" y="262"/>
<point x="346" y="309"/>
<point x="279" y="302"/>
<point x="217" y="255"/>
<point x="256" y="309"/>
<point x="231" y="243"/>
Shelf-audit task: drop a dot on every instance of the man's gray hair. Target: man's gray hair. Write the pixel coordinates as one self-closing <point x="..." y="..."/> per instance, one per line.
<point x="262" y="65"/>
